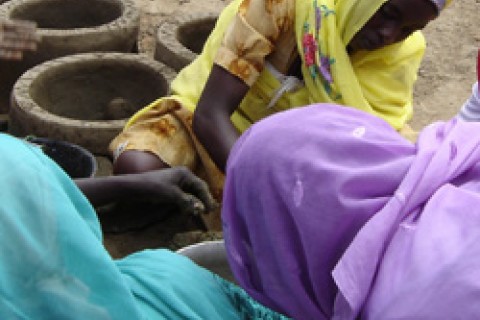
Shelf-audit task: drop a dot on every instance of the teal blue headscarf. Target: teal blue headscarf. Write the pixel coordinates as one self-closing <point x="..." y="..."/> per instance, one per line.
<point x="53" y="264"/>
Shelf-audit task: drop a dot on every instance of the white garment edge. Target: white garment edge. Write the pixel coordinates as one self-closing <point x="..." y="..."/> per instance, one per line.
<point x="287" y="84"/>
<point x="470" y="110"/>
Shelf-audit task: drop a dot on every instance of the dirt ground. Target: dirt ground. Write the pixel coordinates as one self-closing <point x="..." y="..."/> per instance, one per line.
<point x="445" y="80"/>
<point x="448" y="70"/>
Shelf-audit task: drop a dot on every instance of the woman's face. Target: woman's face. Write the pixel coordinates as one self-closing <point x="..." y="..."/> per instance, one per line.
<point x="393" y="22"/>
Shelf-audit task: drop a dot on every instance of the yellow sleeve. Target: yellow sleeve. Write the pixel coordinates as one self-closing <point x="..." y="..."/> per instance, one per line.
<point x="252" y="35"/>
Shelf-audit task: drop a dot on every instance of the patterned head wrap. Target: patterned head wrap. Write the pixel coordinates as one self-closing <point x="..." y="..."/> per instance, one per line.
<point x="363" y="80"/>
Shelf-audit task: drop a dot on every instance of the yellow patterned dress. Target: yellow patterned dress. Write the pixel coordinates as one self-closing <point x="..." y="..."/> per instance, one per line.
<point x="258" y="41"/>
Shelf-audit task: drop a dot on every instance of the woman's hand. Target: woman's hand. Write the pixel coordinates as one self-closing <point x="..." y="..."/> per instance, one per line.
<point x="17" y="36"/>
<point x="177" y="186"/>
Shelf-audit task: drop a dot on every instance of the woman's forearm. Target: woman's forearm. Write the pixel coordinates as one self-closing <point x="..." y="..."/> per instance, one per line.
<point x="103" y="190"/>
<point x="178" y="186"/>
<point x="218" y="135"/>
<point x="221" y="96"/>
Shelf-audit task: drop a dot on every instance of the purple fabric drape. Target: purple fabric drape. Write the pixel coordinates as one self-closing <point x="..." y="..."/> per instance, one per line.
<point x="329" y="213"/>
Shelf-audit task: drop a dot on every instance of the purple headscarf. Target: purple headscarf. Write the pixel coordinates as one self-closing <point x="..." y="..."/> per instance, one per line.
<point x="315" y="200"/>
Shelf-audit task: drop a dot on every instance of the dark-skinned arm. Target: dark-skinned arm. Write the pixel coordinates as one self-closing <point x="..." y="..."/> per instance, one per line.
<point x="221" y="96"/>
<point x="174" y="186"/>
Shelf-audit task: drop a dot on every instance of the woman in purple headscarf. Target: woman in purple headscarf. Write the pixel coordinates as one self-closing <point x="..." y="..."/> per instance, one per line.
<point x="329" y="213"/>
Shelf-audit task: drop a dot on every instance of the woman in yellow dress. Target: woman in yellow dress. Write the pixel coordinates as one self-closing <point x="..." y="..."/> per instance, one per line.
<point x="265" y="56"/>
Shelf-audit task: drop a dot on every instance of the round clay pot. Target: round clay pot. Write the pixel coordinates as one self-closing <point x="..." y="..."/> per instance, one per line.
<point x="86" y="98"/>
<point x="178" y="42"/>
<point x="69" y="27"/>
<point x="211" y="255"/>
<point x="74" y="160"/>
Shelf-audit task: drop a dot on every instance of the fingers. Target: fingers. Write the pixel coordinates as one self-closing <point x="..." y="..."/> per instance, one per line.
<point x="195" y="186"/>
<point x="185" y="202"/>
<point x="192" y="205"/>
<point x="175" y="185"/>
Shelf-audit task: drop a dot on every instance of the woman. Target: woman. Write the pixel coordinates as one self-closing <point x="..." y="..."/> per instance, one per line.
<point x="268" y="56"/>
<point x="53" y="264"/>
<point x="339" y="217"/>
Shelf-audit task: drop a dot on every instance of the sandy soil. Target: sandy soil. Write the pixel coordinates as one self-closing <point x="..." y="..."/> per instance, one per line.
<point x="448" y="70"/>
<point x="445" y="80"/>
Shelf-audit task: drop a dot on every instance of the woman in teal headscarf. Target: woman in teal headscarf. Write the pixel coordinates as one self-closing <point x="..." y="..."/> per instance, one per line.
<point x="53" y="264"/>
